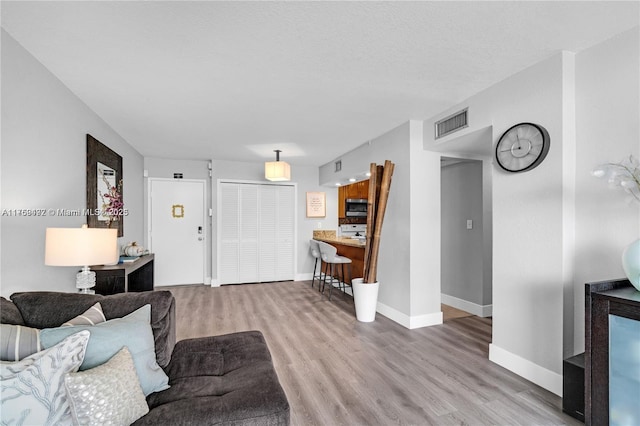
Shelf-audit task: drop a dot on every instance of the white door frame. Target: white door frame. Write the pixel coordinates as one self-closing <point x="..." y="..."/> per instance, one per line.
<point x="216" y="282"/>
<point x="205" y="227"/>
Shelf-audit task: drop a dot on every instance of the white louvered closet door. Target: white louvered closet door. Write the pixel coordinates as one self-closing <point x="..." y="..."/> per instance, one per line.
<point x="268" y="231"/>
<point x="248" y="253"/>
<point x="229" y="234"/>
<point x="285" y="233"/>
<point x="256" y="233"/>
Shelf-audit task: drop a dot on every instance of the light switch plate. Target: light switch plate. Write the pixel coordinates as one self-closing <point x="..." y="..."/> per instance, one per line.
<point x="469" y="224"/>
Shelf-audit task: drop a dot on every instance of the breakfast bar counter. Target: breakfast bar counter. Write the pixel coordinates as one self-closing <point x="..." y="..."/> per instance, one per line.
<point x="351" y="242"/>
<point x="347" y="247"/>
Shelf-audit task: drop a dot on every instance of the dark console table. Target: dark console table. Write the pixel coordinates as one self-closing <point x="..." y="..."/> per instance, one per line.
<point x="125" y="277"/>
<point x="607" y="305"/>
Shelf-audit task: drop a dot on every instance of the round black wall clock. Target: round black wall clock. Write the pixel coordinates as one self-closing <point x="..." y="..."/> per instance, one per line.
<point x="522" y="147"/>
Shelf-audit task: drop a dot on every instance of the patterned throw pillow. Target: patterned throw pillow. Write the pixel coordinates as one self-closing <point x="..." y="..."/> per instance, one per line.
<point x="91" y="316"/>
<point x="18" y="342"/>
<point x="33" y="390"/>
<point x="115" y="384"/>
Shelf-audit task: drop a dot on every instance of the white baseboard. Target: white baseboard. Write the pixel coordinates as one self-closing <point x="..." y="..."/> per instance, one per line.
<point x="523" y="367"/>
<point x="408" y="321"/>
<point x="215" y="283"/>
<point x="426" y="320"/>
<point x="303" y="277"/>
<point x="475" y="309"/>
<point x="404" y="319"/>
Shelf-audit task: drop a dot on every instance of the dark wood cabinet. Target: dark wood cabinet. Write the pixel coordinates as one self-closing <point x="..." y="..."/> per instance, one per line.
<point x="606" y="301"/>
<point x="125" y="277"/>
<point x="358" y="190"/>
<point x="356" y="254"/>
<point x="349" y="249"/>
<point x="573" y="386"/>
<point x="341" y="204"/>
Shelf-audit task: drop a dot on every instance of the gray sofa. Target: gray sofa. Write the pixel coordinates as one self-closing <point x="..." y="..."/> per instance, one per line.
<point x="227" y="379"/>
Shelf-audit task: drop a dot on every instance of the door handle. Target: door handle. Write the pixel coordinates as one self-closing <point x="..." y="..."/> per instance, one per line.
<point x="199" y="229"/>
<point x="200" y="238"/>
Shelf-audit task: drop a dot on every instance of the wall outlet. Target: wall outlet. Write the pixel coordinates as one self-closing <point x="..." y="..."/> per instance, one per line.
<point x="469" y="224"/>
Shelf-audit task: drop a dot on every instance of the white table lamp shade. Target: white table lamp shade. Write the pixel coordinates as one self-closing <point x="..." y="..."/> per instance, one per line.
<point x="80" y="246"/>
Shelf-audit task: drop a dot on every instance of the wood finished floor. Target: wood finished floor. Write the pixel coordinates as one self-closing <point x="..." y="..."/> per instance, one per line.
<point x="337" y="371"/>
<point x="449" y="313"/>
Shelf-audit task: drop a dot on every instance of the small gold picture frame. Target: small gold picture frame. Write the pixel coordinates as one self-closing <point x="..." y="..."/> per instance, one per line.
<point x="177" y="210"/>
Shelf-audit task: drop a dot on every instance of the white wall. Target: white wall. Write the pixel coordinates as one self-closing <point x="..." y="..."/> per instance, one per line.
<point x="393" y="264"/>
<point x="44" y="127"/>
<point x="409" y="266"/>
<point x="424" y="240"/>
<point x="528" y="245"/>
<point x="306" y="179"/>
<point x="556" y="227"/>
<point x="608" y="130"/>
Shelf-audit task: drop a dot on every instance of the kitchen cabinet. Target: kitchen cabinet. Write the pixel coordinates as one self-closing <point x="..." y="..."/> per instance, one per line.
<point x="355" y="190"/>
<point x="358" y="190"/>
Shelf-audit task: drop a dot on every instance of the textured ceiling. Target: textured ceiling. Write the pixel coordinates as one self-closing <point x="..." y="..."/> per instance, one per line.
<point x="236" y="80"/>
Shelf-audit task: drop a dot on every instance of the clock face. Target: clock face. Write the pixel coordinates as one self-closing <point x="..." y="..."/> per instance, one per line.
<point x="522" y="147"/>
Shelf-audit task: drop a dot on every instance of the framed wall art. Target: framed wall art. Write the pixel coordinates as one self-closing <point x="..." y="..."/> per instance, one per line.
<point x="316" y="204"/>
<point x="105" y="208"/>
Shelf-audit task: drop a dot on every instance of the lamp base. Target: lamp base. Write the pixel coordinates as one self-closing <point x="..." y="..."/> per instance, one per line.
<point x="85" y="280"/>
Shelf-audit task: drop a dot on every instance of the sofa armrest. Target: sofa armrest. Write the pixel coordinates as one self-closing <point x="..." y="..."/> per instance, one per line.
<point x="9" y="313"/>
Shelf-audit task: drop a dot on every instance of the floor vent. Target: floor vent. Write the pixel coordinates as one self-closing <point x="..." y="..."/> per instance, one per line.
<point x="452" y="123"/>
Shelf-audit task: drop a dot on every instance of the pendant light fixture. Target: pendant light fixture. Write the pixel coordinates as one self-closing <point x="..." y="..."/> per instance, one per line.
<point x="277" y="171"/>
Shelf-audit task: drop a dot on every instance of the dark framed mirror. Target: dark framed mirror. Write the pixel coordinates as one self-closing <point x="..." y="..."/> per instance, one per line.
<point x="104" y="187"/>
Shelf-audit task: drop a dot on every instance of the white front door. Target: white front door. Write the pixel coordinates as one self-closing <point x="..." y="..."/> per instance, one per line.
<point x="177" y="230"/>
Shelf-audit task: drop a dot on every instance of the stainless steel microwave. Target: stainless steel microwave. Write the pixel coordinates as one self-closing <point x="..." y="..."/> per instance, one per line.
<point x="355" y="207"/>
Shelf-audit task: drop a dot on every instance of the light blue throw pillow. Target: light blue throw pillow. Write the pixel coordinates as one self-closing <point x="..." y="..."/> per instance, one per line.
<point x="107" y="338"/>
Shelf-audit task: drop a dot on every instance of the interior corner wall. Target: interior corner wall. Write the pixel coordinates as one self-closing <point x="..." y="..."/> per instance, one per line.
<point x="394" y="293"/>
<point x="306" y="178"/>
<point x="607" y="130"/>
<point x="528" y="245"/>
<point x="190" y="169"/>
<point x="44" y="127"/>
<point x="425" y="256"/>
<point x="528" y="216"/>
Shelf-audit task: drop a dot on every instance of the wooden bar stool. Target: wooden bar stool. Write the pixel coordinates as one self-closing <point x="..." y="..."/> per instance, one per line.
<point x="328" y="254"/>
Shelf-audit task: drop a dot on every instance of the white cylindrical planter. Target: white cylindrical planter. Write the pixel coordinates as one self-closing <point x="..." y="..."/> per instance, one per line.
<point x="365" y="297"/>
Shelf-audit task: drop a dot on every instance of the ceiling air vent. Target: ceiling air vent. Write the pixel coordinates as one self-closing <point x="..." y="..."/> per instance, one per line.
<point x="452" y="123"/>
